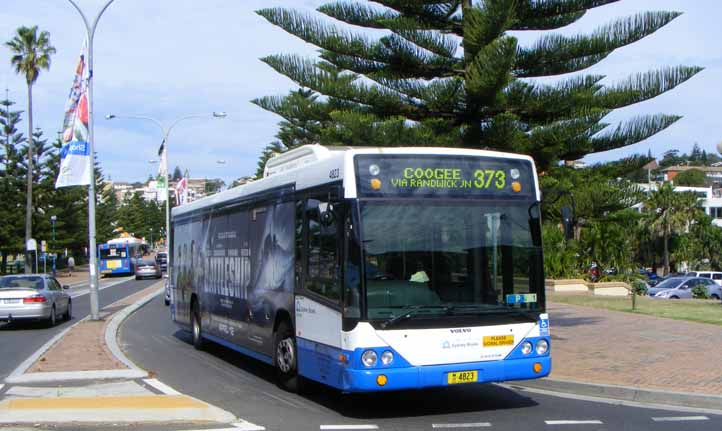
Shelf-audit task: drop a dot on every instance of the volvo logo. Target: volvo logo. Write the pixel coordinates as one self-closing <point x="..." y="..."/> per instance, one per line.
<point x="460" y="330"/>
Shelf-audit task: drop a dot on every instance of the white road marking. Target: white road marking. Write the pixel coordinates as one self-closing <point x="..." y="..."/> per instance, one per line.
<point x="572" y="422"/>
<point x="1" y="387"/>
<point x="349" y="427"/>
<point x="247" y="426"/>
<point x="102" y="287"/>
<point x="161" y="386"/>
<point x="680" y="418"/>
<point x="463" y="425"/>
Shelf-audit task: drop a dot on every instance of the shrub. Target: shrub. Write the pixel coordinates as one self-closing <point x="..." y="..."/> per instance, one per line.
<point x="700" y="292"/>
<point x="639" y="287"/>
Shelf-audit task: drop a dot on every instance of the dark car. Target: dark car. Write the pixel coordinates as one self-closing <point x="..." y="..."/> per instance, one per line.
<point x="162" y="259"/>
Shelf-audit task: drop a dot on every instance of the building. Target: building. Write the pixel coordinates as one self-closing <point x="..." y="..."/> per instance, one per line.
<point x="709" y="199"/>
<point x="713" y="173"/>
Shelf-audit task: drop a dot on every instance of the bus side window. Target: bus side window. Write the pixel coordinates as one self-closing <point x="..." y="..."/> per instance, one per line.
<point x="324" y="238"/>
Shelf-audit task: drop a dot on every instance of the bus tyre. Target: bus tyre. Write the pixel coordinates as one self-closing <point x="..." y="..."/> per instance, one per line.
<point x="286" y="358"/>
<point x="196" y="329"/>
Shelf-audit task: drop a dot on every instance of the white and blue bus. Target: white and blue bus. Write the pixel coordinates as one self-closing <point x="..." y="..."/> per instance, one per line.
<point x="371" y="269"/>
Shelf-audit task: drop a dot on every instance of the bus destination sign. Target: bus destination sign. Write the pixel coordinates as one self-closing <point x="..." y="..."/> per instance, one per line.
<point x="401" y="175"/>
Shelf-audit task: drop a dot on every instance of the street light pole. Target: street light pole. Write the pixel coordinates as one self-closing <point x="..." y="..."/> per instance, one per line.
<point x="164" y="160"/>
<point x="53" y="219"/>
<point x="93" y="273"/>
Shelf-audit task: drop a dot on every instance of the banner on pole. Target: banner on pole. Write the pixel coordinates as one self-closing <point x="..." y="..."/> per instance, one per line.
<point x="181" y="192"/>
<point x="75" y="152"/>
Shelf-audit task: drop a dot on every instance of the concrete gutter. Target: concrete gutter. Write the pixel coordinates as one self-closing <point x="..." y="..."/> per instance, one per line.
<point x="655" y="398"/>
<point x="111" y="330"/>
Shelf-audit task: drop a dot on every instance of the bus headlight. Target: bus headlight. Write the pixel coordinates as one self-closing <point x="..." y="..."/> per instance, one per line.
<point x="526" y="347"/>
<point x="541" y="347"/>
<point x="369" y="358"/>
<point x="387" y="357"/>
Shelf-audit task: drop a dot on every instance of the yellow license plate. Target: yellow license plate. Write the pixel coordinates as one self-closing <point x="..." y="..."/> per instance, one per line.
<point x="462" y="377"/>
<point x="498" y="340"/>
<point x="112" y="264"/>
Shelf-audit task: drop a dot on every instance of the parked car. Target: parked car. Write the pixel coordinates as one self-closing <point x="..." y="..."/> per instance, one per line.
<point x="162" y="259"/>
<point x="34" y="297"/>
<point x="714" y="275"/>
<point x="681" y="287"/>
<point x="147" y="268"/>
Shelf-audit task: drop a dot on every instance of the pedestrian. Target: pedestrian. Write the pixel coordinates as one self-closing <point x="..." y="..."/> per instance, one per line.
<point x="71" y="265"/>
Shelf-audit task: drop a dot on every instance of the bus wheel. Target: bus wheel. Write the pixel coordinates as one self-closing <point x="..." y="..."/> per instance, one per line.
<point x="286" y="358"/>
<point x="196" y="327"/>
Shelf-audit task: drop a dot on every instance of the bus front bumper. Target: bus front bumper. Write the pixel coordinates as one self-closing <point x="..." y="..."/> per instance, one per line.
<point x="355" y="380"/>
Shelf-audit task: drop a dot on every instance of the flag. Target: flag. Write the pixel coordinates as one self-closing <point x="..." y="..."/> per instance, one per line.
<point x="75" y="153"/>
<point x="181" y="192"/>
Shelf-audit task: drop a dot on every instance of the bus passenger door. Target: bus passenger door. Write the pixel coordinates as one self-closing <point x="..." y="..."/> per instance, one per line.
<point x="318" y="296"/>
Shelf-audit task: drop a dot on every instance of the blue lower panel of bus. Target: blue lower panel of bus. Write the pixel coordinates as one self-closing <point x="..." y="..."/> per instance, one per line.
<point x="323" y="363"/>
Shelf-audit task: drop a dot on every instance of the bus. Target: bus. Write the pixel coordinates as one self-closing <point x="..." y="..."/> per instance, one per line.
<point x="118" y="256"/>
<point x="371" y="269"/>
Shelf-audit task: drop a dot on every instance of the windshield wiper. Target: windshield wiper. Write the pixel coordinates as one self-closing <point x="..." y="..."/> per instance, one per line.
<point x="412" y="312"/>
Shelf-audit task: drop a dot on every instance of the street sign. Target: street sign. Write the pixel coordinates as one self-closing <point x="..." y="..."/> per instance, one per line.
<point x="31" y="245"/>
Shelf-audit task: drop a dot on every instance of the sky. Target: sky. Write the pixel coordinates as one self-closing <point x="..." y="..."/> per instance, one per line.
<point x="167" y="59"/>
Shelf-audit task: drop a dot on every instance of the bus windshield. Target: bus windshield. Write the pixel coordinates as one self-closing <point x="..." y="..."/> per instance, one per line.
<point x="451" y="257"/>
<point x="113" y="253"/>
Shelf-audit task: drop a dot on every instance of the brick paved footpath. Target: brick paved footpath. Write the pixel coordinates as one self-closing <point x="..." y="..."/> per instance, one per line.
<point x="616" y="348"/>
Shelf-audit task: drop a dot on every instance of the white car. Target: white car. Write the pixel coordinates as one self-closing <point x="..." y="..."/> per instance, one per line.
<point x="34" y="297"/>
<point x="714" y="275"/>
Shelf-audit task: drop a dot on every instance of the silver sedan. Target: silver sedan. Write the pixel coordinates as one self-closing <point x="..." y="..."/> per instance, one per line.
<point x="34" y="297"/>
<point x="147" y="268"/>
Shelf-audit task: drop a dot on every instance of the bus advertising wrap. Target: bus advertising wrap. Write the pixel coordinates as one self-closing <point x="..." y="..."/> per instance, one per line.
<point x="241" y="264"/>
<point x="450" y="176"/>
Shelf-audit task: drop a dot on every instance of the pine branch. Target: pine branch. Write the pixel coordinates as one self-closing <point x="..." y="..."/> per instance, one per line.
<point x="547" y="23"/>
<point x="308" y="74"/>
<point x="357" y="14"/>
<point x="435" y="14"/>
<point x="485" y="23"/>
<point x="633" y="131"/>
<point x="645" y="86"/>
<point x="315" y="32"/>
<point x="539" y="104"/>
<point x="432" y="41"/>
<point x="489" y="72"/>
<point x="536" y="9"/>
<point x="556" y="53"/>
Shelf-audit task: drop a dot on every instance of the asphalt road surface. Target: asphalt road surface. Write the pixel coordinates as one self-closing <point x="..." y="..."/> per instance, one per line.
<point x="246" y="388"/>
<point x="19" y="340"/>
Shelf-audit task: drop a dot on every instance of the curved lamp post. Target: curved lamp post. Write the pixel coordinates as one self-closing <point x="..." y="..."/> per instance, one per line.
<point x="163" y="152"/>
<point x="93" y="273"/>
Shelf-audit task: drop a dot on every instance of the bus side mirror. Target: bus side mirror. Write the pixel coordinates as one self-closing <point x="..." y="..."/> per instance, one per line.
<point x="568" y="223"/>
<point x="326" y="214"/>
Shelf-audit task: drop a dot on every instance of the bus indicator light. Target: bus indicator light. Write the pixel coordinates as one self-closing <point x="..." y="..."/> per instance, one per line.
<point x="381" y="380"/>
<point x="376" y="184"/>
<point x="516" y="186"/>
<point x="537" y="367"/>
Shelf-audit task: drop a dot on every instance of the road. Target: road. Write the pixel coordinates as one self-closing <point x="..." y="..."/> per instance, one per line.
<point x="20" y="340"/>
<point x="246" y="388"/>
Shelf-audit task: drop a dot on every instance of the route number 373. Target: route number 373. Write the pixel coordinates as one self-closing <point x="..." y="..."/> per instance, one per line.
<point x="484" y="178"/>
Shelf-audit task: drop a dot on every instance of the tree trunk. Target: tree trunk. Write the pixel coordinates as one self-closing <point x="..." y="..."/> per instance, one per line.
<point x="29" y="201"/>
<point x="471" y="137"/>
<point x="666" y="252"/>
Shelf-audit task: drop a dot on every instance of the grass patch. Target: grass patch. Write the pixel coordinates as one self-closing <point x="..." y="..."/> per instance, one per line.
<point x="694" y="310"/>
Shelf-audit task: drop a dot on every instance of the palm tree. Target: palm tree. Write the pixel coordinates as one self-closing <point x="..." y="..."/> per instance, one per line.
<point x="669" y="213"/>
<point x="31" y="53"/>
